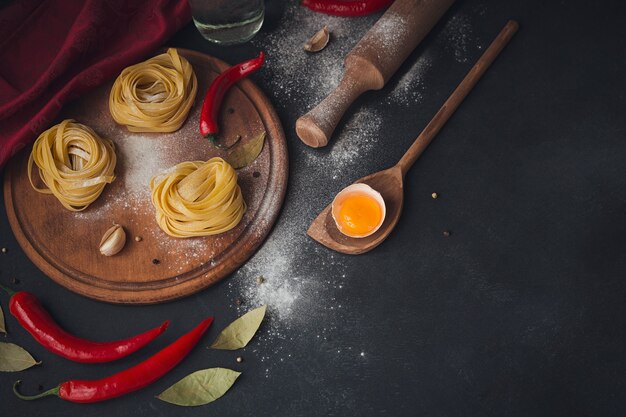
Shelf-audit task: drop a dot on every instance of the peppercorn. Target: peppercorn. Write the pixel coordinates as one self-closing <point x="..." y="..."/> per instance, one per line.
<point x="260" y="280"/>
<point x="238" y="301"/>
<point x="434" y="195"/>
<point x="156" y="261"/>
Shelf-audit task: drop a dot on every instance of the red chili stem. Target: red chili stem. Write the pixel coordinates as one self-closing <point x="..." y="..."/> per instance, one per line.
<point x="8" y="290"/>
<point x="33" y="317"/>
<point x="345" y="7"/>
<point x="51" y="391"/>
<point x="214" y="97"/>
<point x="129" y="380"/>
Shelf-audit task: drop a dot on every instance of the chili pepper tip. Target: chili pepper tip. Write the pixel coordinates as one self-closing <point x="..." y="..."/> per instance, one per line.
<point x="51" y="391"/>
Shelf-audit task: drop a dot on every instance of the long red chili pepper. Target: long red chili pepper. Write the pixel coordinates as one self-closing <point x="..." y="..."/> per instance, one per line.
<point x="129" y="380"/>
<point x="215" y="94"/>
<point x="31" y="315"/>
<point x="346" y="7"/>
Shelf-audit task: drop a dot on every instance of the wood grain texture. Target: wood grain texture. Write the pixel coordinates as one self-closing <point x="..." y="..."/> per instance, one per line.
<point x="64" y="245"/>
<point x="371" y="63"/>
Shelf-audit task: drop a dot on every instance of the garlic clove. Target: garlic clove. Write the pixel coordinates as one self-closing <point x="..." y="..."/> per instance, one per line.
<point x="113" y="240"/>
<point x="318" y="41"/>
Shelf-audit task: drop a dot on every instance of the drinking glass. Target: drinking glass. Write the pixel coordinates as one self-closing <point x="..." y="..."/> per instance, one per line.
<point x="228" y="22"/>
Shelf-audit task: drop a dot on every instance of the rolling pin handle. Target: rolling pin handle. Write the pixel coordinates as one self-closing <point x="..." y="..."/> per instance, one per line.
<point x="317" y="126"/>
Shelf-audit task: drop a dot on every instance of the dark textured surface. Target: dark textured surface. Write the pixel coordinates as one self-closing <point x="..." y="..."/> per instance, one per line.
<point x="519" y="312"/>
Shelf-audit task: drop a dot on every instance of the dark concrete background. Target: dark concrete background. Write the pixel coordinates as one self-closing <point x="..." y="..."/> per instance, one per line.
<point x="520" y="312"/>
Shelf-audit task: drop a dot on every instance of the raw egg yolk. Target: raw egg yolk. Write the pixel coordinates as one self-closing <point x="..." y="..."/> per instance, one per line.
<point x="358" y="215"/>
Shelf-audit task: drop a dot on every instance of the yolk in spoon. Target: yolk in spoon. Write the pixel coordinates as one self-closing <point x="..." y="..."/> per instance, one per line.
<point x="358" y="215"/>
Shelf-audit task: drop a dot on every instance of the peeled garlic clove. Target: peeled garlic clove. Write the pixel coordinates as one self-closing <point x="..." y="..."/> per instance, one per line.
<point x="318" y="41"/>
<point x="113" y="240"/>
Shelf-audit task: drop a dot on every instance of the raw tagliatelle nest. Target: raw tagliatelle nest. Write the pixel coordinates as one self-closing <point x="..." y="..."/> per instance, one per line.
<point x="155" y="95"/>
<point x="198" y="198"/>
<point x="74" y="163"/>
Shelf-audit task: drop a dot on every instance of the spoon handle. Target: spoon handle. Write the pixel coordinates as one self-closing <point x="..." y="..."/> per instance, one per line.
<point x="457" y="96"/>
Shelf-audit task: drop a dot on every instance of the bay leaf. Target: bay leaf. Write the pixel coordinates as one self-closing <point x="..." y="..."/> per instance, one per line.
<point x="245" y="153"/>
<point x="238" y="333"/>
<point x="200" y="387"/>
<point x="14" y="358"/>
<point x="3" y="328"/>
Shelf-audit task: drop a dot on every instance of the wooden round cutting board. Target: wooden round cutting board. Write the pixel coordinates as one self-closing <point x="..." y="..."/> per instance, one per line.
<point x="154" y="267"/>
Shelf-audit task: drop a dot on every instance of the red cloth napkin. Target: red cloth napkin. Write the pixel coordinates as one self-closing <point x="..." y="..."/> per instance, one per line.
<point x="52" y="51"/>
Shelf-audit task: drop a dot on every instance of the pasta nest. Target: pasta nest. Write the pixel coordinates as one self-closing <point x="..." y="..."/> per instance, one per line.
<point x="155" y="95"/>
<point x="74" y="163"/>
<point x="197" y="198"/>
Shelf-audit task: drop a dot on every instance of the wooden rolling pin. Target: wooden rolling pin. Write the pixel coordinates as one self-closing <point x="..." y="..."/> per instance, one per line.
<point x="372" y="62"/>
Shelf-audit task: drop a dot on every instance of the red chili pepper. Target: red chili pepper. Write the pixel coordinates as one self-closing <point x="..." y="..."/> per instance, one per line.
<point x="346" y="7"/>
<point x="129" y="380"/>
<point x="31" y="315"/>
<point x="218" y="88"/>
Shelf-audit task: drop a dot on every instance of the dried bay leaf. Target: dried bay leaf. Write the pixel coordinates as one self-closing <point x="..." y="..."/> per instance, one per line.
<point x="240" y="332"/>
<point x="200" y="387"/>
<point x="245" y="153"/>
<point x="14" y="358"/>
<point x="3" y="328"/>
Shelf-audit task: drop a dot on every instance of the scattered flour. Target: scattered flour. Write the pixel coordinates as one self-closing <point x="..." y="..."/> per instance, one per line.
<point x="355" y="141"/>
<point x="291" y="285"/>
<point x="296" y="76"/>
<point x="410" y="86"/>
<point x="392" y="30"/>
<point x="298" y="292"/>
<point x="458" y="37"/>
<point x="145" y="156"/>
<point x="296" y="289"/>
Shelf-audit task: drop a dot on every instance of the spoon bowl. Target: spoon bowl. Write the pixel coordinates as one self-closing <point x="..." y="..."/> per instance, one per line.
<point x="389" y="183"/>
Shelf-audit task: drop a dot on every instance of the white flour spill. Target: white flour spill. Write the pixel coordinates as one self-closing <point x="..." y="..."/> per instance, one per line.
<point x="410" y="86"/>
<point x="144" y="159"/>
<point x="354" y="142"/>
<point x="458" y="37"/>
<point x="388" y="31"/>
<point x="290" y="284"/>
<point x="299" y="292"/>
<point x="306" y="78"/>
<point x="295" y="290"/>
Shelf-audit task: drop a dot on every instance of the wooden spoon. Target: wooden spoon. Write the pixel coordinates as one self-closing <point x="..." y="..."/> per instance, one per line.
<point x="389" y="183"/>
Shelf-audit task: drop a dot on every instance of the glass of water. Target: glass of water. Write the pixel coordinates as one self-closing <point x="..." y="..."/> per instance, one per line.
<point x="228" y="22"/>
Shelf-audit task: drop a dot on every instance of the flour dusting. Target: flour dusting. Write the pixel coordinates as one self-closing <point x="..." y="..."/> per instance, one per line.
<point x="296" y="76"/>
<point x="410" y="86"/>
<point x="301" y="294"/>
<point x="459" y="37"/>
<point x="143" y="159"/>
